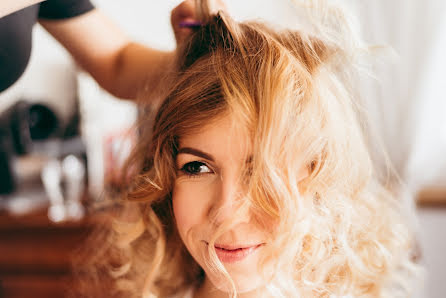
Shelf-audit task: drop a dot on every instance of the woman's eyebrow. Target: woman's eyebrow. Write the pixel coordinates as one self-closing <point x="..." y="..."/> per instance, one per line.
<point x="196" y="152"/>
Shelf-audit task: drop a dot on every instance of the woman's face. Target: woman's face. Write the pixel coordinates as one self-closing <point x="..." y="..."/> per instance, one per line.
<point x="207" y="190"/>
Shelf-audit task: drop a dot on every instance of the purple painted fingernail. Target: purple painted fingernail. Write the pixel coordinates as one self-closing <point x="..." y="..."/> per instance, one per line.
<point x="187" y="24"/>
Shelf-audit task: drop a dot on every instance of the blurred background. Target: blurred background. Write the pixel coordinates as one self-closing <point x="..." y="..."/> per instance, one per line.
<point x="80" y="133"/>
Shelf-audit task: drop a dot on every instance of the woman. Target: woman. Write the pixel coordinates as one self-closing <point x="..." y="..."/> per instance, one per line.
<point x="254" y="179"/>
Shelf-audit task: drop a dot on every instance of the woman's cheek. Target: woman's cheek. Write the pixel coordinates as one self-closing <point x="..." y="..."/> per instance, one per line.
<point x="190" y="201"/>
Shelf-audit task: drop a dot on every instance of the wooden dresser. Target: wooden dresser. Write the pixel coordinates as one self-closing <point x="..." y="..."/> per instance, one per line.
<point x="35" y="255"/>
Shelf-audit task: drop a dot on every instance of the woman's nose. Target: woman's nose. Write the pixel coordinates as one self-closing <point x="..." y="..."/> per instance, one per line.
<point x="228" y="201"/>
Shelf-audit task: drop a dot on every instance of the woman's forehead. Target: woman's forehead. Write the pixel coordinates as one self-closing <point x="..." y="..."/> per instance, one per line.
<point x="222" y="138"/>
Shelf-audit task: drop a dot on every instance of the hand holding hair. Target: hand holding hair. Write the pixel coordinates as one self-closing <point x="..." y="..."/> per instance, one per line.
<point x="187" y="16"/>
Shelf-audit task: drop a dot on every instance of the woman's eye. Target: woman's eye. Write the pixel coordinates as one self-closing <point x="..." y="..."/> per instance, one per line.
<point x="195" y="168"/>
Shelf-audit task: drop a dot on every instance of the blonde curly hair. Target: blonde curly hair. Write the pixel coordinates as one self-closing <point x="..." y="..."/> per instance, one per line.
<point x="340" y="232"/>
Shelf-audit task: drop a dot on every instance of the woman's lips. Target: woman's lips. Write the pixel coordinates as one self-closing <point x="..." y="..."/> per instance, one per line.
<point x="234" y="253"/>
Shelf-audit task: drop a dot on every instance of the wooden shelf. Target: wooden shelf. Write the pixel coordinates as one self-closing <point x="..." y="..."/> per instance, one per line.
<point x="34" y="286"/>
<point x="36" y="254"/>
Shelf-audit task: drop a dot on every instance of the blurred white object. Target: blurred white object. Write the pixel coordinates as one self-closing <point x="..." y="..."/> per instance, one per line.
<point x="74" y="173"/>
<point x="64" y="184"/>
<point x="52" y="179"/>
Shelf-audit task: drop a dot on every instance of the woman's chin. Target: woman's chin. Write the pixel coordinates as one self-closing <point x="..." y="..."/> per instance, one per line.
<point x="243" y="284"/>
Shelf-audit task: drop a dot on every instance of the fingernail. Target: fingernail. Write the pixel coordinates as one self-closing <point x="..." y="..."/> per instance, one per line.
<point x="188" y="24"/>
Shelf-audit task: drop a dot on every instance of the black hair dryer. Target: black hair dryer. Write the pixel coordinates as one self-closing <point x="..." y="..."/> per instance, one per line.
<point x="21" y="125"/>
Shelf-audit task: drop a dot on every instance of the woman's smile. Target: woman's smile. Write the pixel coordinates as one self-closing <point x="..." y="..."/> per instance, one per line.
<point x="232" y="253"/>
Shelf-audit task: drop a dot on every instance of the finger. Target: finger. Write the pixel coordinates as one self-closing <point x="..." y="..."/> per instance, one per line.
<point x="184" y="20"/>
<point x="185" y="9"/>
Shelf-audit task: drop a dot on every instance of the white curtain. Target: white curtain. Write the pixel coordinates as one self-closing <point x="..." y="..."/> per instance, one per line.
<point x="407" y="103"/>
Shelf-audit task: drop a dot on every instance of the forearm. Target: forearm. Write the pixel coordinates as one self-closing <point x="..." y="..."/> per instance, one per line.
<point x="119" y="65"/>
<point x="10" y="6"/>
<point x="137" y="67"/>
